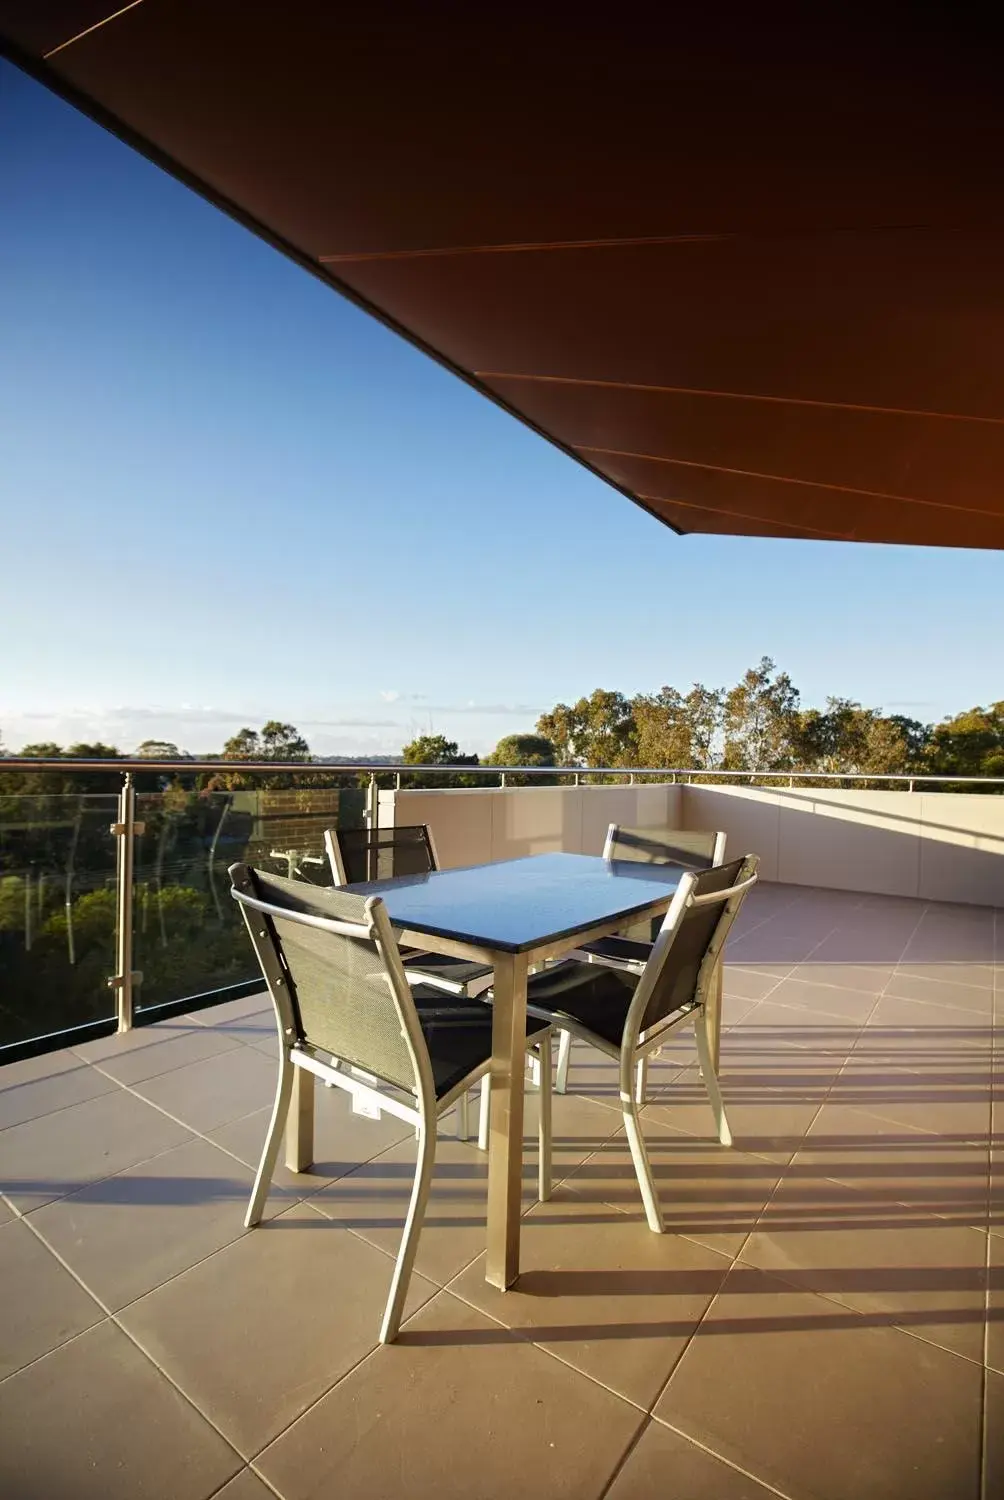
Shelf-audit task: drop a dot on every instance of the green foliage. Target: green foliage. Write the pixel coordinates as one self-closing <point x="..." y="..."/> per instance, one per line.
<point x="275" y="741"/>
<point x="437" y="750"/>
<point x="970" y="744"/>
<point x="596" y="731"/>
<point x="524" y="750"/>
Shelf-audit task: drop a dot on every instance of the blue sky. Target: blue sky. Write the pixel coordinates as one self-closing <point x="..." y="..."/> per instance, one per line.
<point x="227" y="496"/>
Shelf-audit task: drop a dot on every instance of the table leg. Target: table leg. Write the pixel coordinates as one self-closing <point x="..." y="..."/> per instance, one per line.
<point x="300" y="1122"/>
<point x="505" y="1142"/>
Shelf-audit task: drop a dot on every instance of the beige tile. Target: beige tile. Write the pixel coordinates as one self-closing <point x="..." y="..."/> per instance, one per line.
<point x="149" y="1062"/>
<point x="965" y="973"/>
<point x="924" y="1172"/>
<point x="995" y="1305"/>
<point x="711" y="1193"/>
<point x="458" y="1407"/>
<point x="748" y="984"/>
<point x="342" y="1140"/>
<point x="42" y="1305"/>
<point x="926" y="1273"/>
<point x="797" y="1026"/>
<point x="765" y="1121"/>
<point x="208" y="1094"/>
<point x="25" y="1097"/>
<point x="664" y="1462"/>
<point x="232" y="1010"/>
<point x="993" y="1437"/>
<point x="246" y="1486"/>
<point x="838" y="1001"/>
<point x="57" y="1154"/>
<point x="920" y="1026"/>
<point x="129" y="1233"/>
<point x="823" y="1403"/>
<point x="95" y="1420"/>
<point x="602" y="1292"/>
<point x="870" y="979"/>
<point x="259" y="1026"/>
<point x="949" y="993"/>
<point x="373" y="1200"/>
<point x="118" y="1044"/>
<point x="256" y="1333"/>
<point x="6" y="1212"/>
<point x="949" y="1097"/>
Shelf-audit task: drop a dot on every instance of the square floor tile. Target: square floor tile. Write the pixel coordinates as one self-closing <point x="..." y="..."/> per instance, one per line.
<point x="878" y="1257"/>
<point x="823" y="1403"/>
<point x="603" y="1293"/>
<point x="666" y="1463"/>
<point x="56" y="1154"/>
<point x="258" y="1331"/>
<point x="127" y="1234"/>
<point x="149" y="1062"/>
<point x="797" y="1026"/>
<point x="458" y="1407"/>
<point x="41" y="1085"/>
<point x="922" y="1027"/>
<point x="748" y="984"/>
<point x="765" y="1121"/>
<point x="119" y="1043"/>
<point x="208" y="1094"/>
<point x="995" y="1305"/>
<point x="373" y="1200"/>
<point x="713" y="1194"/>
<point x="925" y="1172"/>
<point x="42" y="1305"/>
<point x="826" y="1000"/>
<point x="955" y="994"/>
<point x="246" y="1486"/>
<point x="342" y="1140"/>
<point x="869" y="979"/>
<point x="993" y="1437"/>
<point x="948" y="1097"/>
<point x="94" y="1420"/>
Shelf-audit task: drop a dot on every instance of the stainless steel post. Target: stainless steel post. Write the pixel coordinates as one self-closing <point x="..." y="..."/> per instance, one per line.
<point x="125" y="979"/>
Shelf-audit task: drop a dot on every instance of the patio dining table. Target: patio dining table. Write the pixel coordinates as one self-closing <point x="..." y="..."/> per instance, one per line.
<point x="512" y="915"/>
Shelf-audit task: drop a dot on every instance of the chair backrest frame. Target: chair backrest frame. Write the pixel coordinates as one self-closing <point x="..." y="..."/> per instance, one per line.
<point x="340" y="873"/>
<point x="687" y="896"/>
<point x="628" y="838"/>
<point x="260" y="917"/>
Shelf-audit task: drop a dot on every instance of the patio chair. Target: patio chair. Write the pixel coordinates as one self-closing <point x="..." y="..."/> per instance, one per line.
<point x="625" y="1014"/>
<point x="360" y="854"/>
<point x="347" y="1014"/>
<point x="694" y="850"/>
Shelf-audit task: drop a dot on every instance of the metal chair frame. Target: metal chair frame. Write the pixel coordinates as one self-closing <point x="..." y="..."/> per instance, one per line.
<point x="636" y="1046"/>
<point x="422" y="1109"/>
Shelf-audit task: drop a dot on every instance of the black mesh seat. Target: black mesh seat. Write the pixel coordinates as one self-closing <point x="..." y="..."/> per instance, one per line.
<point x="620" y="950"/>
<point x="458" y="1036"/>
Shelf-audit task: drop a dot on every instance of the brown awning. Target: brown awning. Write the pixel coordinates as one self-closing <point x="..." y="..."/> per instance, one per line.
<point x="745" y="263"/>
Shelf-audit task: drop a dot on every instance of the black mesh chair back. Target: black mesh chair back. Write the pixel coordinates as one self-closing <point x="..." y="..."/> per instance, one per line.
<point x="339" y="993"/>
<point x="693" y="849"/>
<point x="701" y="933"/>
<point x="383" y="853"/>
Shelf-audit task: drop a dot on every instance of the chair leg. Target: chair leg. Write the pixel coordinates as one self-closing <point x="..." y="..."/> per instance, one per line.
<point x="463" y="1118"/>
<point x="641" y="1080"/>
<point x="544" y="1121"/>
<point x="277" y="1124"/>
<point x="711" y="1079"/>
<point x="484" y="1113"/>
<point x="564" y="1052"/>
<point x="412" y="1229"/>
<point x="642" y="1165"/>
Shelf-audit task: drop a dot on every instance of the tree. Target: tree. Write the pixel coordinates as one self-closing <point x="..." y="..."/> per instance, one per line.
<point x="275" y="741"/>
<point x="596" y="731"/>
<point x="436" y="750"/>
<point x="760" y="721"/>
<point x="158" y="750"/>
<point x="677" y="731"/>
<point x="970" y="744"/>
<point x="524" y="750"/>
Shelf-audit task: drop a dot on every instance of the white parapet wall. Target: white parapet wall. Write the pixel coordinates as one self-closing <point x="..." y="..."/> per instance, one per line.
<point x="472" y="827"/>
<point x="940" y="846"/>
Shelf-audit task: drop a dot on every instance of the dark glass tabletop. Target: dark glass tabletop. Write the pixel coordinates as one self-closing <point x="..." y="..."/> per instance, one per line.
<point x="518" y="904"/>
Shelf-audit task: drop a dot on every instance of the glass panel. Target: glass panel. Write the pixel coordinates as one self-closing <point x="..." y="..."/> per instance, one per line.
<point x="189" y="937"/>
<point x="57" y="908"/>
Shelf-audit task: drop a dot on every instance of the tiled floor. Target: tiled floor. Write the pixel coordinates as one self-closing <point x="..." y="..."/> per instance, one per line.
<point x="823" y="1320"/>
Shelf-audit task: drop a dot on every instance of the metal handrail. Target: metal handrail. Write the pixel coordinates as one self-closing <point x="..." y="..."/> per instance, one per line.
<point x="398" y="768"/>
